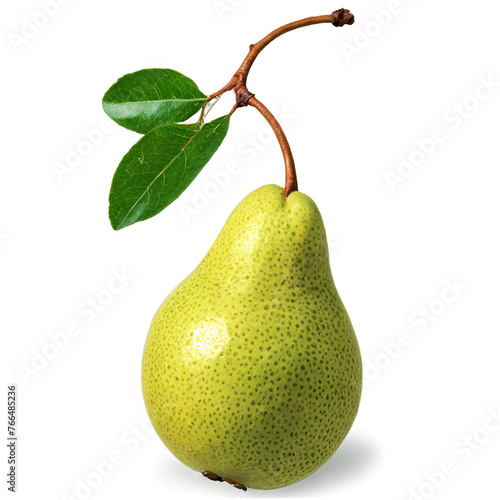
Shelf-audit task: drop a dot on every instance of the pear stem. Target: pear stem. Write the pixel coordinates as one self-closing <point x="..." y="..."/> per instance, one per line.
<point x="244" y="97"/>
<point x="291" y="175"/>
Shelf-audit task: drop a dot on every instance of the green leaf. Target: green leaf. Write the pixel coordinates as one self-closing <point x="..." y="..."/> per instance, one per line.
<point x="159" y="167"/>
<point x="149" y="98"/>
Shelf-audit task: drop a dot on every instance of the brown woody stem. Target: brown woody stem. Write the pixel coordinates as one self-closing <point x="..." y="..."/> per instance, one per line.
<point x="244" y="97"/>
<point x="291" y="176"/>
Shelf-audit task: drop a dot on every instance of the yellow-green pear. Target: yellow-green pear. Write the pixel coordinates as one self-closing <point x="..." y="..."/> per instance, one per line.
<point x="251" y="367"/>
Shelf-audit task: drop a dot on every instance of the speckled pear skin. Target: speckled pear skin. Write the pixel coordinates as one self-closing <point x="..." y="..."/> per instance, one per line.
<point x="251" y="368"/>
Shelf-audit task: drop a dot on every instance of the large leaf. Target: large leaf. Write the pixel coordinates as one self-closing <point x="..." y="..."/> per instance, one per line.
<point x="149" y="98"/>
<point x="159" y="167"/>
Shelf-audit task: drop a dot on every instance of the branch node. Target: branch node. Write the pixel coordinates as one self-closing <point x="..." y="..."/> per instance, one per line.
<point x="242" y="99"/>
<point x="342" y="17"/>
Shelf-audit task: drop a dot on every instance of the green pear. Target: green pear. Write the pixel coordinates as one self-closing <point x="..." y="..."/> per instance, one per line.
<point x="251" y="367"/>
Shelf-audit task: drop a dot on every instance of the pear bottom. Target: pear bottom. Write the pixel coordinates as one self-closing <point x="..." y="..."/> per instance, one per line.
<point x="251" y="368"/>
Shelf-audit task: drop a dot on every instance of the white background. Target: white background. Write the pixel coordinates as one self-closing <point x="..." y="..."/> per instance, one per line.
<point x="353" y="101"/>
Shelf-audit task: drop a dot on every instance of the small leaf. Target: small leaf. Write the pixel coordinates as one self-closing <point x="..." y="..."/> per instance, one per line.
<point x="146" y="99"/>
<point x="159" y="167"/>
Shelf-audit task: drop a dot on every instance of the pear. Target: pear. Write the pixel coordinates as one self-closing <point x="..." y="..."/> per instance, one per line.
<point x="251" y="368"/>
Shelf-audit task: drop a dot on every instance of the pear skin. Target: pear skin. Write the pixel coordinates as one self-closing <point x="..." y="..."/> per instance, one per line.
<point x="251" y="368"/>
